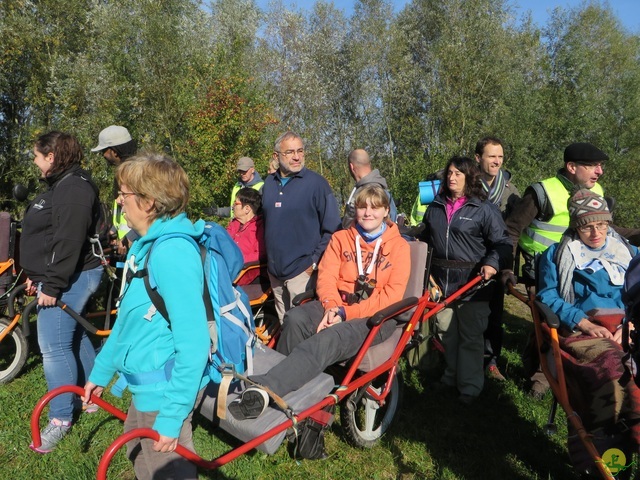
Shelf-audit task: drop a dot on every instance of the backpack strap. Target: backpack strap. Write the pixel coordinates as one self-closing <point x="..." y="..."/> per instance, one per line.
<point x="152" y="291"/>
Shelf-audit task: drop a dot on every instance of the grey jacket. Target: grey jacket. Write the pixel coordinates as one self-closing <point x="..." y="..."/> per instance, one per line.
<point x="373" y="178"/>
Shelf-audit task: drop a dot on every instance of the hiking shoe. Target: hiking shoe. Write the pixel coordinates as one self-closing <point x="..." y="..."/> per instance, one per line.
<point x="250" y="404"/>
<point x="51" y="435"/>
<point x="89" y="407"/>
<point x="494" y="372"/>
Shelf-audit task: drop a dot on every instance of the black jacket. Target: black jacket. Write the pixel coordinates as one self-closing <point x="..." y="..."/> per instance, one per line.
<point x="475" y="237"/>
<point x="54" y="244"/>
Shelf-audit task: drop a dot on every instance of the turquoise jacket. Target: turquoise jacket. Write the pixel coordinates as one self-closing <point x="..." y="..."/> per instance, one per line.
<point x="141" y="340"/>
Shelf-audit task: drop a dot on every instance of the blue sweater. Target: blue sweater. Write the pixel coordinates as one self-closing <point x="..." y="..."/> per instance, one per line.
<point x="299" y="218"/>
<point x="140" y="342"/>
<point x="592" y="290"/>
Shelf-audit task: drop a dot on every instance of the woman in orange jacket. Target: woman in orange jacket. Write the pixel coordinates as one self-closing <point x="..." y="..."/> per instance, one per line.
<point x="364" y="269"/>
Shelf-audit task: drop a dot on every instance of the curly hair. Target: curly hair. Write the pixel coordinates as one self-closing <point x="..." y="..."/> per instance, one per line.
<point x="472" y="181"/>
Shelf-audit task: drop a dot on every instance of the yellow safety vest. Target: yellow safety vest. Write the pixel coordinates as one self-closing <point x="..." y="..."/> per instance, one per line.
<point x="417" y="212"/>
<point x="119" y="222"/>
<point x="539" y="236"/>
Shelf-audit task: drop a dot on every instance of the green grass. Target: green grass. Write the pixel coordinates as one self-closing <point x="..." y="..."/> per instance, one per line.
<point x="501" y="436"/>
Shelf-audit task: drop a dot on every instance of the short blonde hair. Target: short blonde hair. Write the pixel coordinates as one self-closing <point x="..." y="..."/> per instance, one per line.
<point x="156" y="176"/>
<point x="376" y="195"/>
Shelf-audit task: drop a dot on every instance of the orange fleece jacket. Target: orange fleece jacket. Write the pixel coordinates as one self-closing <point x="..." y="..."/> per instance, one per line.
<point x="338" y="270"/>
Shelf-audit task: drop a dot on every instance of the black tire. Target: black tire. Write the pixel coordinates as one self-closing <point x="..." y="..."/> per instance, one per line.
<point x="364" y="421"/>
<point x="14" y="350"/>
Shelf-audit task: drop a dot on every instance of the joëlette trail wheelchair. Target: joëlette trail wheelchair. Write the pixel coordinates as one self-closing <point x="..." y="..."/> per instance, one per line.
<point x="368" y="388"/>
<point x="590" y="454"/>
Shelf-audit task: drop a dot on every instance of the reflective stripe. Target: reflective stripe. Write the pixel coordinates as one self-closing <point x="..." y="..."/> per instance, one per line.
<point x="548" y="226"/>
<point x="540" y="235"/>
<point x="536" y="237"/>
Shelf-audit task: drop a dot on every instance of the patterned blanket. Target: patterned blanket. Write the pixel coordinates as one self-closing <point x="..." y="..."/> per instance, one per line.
<point x="600" y="389"/>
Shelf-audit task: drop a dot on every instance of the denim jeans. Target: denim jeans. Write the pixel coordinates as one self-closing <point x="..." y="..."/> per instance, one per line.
<point x="67" y="352"/>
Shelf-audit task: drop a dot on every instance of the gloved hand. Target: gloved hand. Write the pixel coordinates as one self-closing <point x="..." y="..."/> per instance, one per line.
<point x="212" y="210"/>
<point x="507" y="277"/>
<point x="218" y="211"/>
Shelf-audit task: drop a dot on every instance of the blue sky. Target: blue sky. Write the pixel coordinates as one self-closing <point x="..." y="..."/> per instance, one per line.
<point x="628" y="11"/>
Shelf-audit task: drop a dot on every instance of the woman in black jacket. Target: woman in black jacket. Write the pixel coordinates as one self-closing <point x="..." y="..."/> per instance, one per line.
<point x="468" y="237"/>
<point x="56" y="256"/>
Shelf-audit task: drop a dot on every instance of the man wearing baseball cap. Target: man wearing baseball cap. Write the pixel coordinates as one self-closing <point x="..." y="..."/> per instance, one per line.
<point x="116" y="146"/>
<point x="247" y="177"/>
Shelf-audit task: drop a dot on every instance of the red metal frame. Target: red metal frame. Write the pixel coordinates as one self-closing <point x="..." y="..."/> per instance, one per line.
<point x="353" y="380"/>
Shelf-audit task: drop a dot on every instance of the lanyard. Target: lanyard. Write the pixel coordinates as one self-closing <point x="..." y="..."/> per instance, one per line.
<point x="359" y="255"/>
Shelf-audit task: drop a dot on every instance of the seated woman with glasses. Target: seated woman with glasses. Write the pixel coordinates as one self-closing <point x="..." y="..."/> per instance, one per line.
<point x="247" y="230"/>
<point x="581" y="280"/>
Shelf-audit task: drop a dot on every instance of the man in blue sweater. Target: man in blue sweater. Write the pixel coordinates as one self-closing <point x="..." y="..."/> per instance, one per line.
<point x="300" y="214"/>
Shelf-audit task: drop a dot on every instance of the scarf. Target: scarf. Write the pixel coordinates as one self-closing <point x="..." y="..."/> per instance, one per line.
<point x="614" y="256"/>
<point x="370" y="237"/>
<point x="496" y="190"/>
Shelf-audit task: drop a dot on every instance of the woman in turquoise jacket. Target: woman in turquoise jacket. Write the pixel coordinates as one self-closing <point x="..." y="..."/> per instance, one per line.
<point x="163" y="365"/>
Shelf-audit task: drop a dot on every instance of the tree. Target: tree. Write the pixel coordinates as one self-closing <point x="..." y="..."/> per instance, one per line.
<point x="230" y="122"/>
<point x="595" y="82"/>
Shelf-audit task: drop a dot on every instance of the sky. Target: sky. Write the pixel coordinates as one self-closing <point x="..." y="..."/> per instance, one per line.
<point x="628" y="11"/>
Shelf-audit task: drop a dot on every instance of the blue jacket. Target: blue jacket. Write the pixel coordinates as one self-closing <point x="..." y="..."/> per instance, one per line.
<point x="299" y="218"/>
<point x="592" y="290"/>
<point x="141" y="340"/>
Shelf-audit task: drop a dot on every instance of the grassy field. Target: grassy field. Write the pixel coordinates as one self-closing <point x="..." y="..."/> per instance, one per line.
<point x="501" y="436"/>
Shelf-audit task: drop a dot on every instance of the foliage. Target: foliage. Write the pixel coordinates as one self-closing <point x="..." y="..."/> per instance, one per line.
<point x="413" y="87"/>
<point x="230" y="122"/>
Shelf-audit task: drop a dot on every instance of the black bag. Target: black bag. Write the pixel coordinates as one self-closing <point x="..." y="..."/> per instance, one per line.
<point x="307" y="439"/>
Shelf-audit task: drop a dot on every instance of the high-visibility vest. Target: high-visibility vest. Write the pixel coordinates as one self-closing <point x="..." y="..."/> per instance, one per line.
<point x="119" y="222"/>
<point x="417" y="212"/>
<point x="539" y="235"/>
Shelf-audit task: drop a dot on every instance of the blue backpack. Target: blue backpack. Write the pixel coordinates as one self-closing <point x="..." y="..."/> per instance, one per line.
<point x="229" y="315"/>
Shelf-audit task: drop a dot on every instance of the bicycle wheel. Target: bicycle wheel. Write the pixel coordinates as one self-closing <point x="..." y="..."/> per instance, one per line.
<point x="364" y="419"/>
<point x="13" y="352"/>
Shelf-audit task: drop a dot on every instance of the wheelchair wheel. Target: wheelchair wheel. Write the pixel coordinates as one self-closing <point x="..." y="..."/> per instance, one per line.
<point x="267" y="324"/>
<point x="364" y="420"/>
<point x="13" y="352"/>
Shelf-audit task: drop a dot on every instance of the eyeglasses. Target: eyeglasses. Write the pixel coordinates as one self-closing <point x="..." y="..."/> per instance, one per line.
<point x="590" y="166"/>
<point x="598" y="227"/>
<point x="124" y="195"/>
<point x="289" y="153"/>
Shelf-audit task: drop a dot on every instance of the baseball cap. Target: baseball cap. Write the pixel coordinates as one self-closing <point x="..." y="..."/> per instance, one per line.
<point x="112" y="136"/>
<point x="244" y="164"/>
